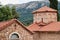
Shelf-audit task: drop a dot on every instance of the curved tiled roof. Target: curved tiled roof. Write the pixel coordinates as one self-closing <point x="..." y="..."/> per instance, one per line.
<point x="55" y="26"/>
<point x="33" y="27"/>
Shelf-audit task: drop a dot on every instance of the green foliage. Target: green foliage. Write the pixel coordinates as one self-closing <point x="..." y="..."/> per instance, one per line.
<point x="54" y="5"/>
<point x="7" y="13"/>
<point x="14" y="13"/>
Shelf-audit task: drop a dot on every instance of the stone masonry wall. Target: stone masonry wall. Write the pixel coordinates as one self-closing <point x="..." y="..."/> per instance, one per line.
<point x="47" y="17"/>
<point x="47" y="36"/>
<point x="23" y="33"/>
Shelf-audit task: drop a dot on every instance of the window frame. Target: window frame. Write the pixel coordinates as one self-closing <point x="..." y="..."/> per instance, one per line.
<point x="14" y="33"/>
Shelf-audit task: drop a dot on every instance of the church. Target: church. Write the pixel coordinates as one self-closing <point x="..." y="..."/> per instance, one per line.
<point x="44" y="27"/>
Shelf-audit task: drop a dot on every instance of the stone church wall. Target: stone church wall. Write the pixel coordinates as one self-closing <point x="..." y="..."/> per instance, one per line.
<point x="15" y="27"/>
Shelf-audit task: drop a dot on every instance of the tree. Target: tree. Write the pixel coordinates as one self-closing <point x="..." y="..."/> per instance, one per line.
<point x="54" y="5"/>
<point x="14" y="13"/>
<point x="7" y="13"/>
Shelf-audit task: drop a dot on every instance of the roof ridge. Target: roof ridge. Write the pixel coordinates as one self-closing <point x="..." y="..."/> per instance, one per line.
<point x="9" y="22"/>
<point x="45" y="8"/>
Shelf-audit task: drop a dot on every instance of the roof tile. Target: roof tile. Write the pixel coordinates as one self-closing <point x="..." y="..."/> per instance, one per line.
<point x="5" y="24"/>
<point x="55" y="26"/>
<point x="45" y="8"/>
<point x="34" y="27"/>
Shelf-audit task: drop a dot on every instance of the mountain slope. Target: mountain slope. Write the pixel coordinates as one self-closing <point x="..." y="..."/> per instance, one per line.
<point x="25" y="10"/>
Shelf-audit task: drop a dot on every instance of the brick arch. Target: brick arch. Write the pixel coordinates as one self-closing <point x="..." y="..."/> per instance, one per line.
<point x="15" y="33"/>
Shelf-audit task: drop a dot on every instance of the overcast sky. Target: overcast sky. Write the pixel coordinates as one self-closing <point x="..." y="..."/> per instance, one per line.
<point x="4" y="2"/>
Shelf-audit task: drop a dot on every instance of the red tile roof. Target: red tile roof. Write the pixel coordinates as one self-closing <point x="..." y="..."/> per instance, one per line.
<point x="55" y="26"/>
<point x="45" y="8"/>
<point x="5" y="24"/>
<point x="34" y="27"/>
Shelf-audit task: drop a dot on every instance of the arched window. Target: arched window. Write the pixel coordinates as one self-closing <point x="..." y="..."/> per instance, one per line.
<point x="14" y="36"/>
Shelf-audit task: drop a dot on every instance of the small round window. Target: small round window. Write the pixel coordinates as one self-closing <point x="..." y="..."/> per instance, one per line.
<point x="14" y="36"/>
